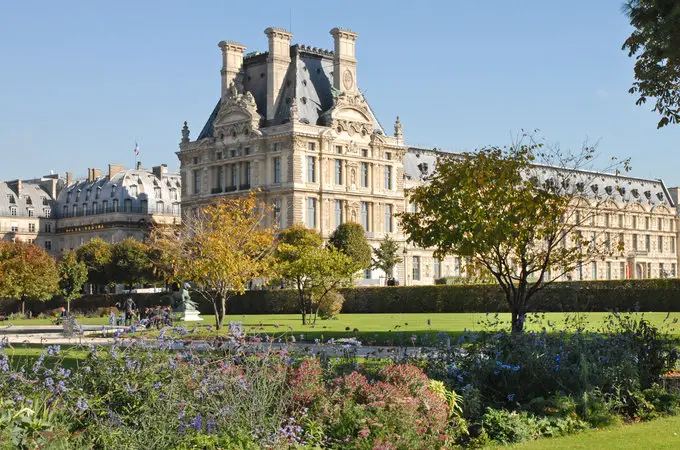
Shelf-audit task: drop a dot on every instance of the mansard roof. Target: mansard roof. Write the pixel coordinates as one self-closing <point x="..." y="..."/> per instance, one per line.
<point x="419" y="163"/>
<point x="308" y="82"/>
<point x="31" y="196"/>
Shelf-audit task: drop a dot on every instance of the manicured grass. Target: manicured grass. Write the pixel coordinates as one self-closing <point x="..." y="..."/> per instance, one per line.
<point x="26" y="355"/>
<point x="397" y="329"/>
<point x="656" y="434"/>
<point x="81" y="320"/>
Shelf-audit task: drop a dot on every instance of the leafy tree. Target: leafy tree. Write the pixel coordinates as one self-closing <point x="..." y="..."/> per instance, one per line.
<point x="386" y="256"/>
<point x="96" y="255"/>
<point x="314" y="270"/>
<point x="515" y="219"/>
<point x="72" y="277"/>
<point x="655" y="43"/>
<point x="219" y="250"/>
<point x="130" y="263"/>
<point x="27" y="272"/>
<point x="350" y="239"/>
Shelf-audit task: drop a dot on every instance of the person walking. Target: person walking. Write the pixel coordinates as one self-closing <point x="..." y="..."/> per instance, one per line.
<point x="129" y="311"/>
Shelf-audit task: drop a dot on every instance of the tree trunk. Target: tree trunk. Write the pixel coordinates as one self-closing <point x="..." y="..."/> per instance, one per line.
<point x="223" y="310"/>
<point x="68" y="305"/>
<point x="301" y="302"/>
<point x="23" y="303"/>
<point x="519" y="310"/>
<point x="217" y="315"/>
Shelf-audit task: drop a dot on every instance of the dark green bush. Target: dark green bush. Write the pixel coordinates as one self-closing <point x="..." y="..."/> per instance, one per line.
<point x="584" y="296"/>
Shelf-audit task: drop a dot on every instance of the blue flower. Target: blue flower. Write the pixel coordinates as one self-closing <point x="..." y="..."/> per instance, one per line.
<point x="557" y="358"/>
<point x="515" y="368"/>
<point x="557" y="368"/>
<point x="496" y="372"/>
<point x="82" y="405"/>
<point x="511" y="397"/>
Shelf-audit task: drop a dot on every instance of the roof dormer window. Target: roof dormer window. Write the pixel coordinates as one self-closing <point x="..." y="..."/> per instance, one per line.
<point x="27" y="199"/>
<point x="113" y="190"/>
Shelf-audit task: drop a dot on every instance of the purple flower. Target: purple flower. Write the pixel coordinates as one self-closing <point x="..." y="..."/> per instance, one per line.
<point x="197" y="423"/>
<point x="82" y="405"/>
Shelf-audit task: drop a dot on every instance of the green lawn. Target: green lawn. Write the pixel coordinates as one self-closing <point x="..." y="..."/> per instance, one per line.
<point x="25" y="356"/>
<point x="383" y="329"/>
<point x="397" y="329"/>
<point x="656" y="434"/>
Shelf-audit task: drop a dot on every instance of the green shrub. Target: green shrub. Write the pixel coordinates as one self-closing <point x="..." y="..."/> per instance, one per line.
<point x="331" y="305"/>
<point x="509" y="427"/>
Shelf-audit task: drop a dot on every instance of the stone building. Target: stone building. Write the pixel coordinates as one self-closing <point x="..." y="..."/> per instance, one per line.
<point x="63" y="213"/>
<point x="27" y="211"/>
<point x="293" y="123"/>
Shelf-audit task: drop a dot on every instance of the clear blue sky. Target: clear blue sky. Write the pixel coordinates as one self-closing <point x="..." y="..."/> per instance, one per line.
<point x="80" y="81"/>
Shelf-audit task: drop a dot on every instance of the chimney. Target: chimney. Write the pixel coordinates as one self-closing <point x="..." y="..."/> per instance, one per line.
<point x="160" y="171"/>
<point x="344" y="60"/>
<point x="96" y="173"/>
<point x="69" y="178"/>
<point x="277" y="65"/>
<point x="139" y="165"/>
<point x="232" y="61"/>
<point x="114" y="169"/>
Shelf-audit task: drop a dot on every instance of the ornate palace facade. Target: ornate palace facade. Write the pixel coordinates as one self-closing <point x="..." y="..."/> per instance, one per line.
<point x="293" y="123"/>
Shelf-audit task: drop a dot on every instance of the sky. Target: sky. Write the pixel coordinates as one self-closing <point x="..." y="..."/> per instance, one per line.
<point x="81" y="81"/>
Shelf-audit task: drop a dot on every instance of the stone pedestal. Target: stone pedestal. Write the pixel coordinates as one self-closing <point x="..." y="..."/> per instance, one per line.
<point x="190" y="316"/>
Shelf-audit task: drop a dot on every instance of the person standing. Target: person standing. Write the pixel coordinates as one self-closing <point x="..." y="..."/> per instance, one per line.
<point x="129" y="311"/>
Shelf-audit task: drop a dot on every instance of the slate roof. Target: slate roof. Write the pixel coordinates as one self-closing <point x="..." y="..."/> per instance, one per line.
<point x="308" y="81"/>
<point x="419" y="163"/>
<point x="32" y="196"/>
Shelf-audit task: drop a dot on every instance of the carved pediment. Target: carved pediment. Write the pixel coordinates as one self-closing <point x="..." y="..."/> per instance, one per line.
<point x="238" y="113"/>
<point x="349" y="113"/>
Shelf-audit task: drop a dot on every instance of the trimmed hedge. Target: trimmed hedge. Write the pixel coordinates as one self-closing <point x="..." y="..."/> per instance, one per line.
<point x="647" y="295"/>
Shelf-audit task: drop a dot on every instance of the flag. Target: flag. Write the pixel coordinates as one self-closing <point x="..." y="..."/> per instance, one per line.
<point x="136" y="149"/>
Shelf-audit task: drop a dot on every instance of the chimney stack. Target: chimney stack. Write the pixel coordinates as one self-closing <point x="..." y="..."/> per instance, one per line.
<point x="232" y="61"/>
<point x="277" y="65"/>
<point x="114" y="169"/>
<point x="160" y="171"/>
<point x="96" y="173"/>
<point x="69" y="178"/>
<point x="139" y="165"/>
<point x="344" y="60"/>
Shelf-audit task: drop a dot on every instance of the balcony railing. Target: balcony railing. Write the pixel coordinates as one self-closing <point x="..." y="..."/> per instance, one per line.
<point x="172" y="209"/>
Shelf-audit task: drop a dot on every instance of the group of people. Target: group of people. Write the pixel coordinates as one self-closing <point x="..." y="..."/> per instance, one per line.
<point x="129" y="314"/>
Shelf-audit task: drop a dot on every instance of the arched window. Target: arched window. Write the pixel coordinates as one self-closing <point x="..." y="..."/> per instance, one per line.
<point x="127" y="205"/>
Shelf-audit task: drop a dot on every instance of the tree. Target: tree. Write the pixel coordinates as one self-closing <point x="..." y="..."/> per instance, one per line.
<point x="515" y="219"/>
<point x="72" y="277"/>
<point x="387" y="256"/>
<point x="27" y="272"/>
<point x="96" y="255"/>
<point x="130" y="263"/>
<point x="314" y="270"/>
<point x="655" y="43"/>
<point x="219" y="250"/>
<point x="350" y="239"/>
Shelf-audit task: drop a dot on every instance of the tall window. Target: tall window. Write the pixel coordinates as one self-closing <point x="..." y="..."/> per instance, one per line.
<point x="606" y="220"/>
<point x="247" y="180"/>
<point x="48" y="228"/>
<point x="338" y="212"/>
<point x="660" y="243"/>
<point x="648" y="242"/>
<point x="105" y="206"/>
<point x="634" y="221"/>
<point x="311" y="146"/>
<point x="620" y="220"/>
<point x="197" y="181"/>
<point x="672" y="270"/>
<point x="437" y="266"/>
<point x="115" y="205"/>
<point x="160" y="207"/>
<point x="31" y="228"/>
<point x="84" y="209"/>
<point x="311" y="213"/>
<point x="660" y="224"/>
<point x="94" y="207"/>
<point x="144" y="206"/>
<point x="277" y="169"/>
<point x="416" y="267"/>
<point x="388" y="218"/>
<point x="593" y="269"/>
<point x="364" y="174"/>
<point x="635" y="246"/>
<point x="234" y="175"/>
<point x="662" y="272"/>
<point x="48" y="245"/>
<point x="311" y="169"/>
<point x="75" y="210"/>
<point x="218" y="177"/>
<point x="672" y="244"/>
<point x="646" y="223"/>
<point x="364" y="215"/>
<point x="338" y="171"/>
<point x="609" y="270"/>
<point x="127" y="205"/>
<point x="608" y="240"/>
<point x="622" y="270"/>
<point x="388" y="177"/>
<point x="278" y="219"/>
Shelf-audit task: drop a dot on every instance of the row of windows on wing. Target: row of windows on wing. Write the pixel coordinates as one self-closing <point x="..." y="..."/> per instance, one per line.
<point x="339" y="173"/>
<point x="27" y="200"/>
<point x="30" y="212"/>
<point x="31" y="227"/>
<point x="609" y="222"/>
<point x="132" y="192"/>
<point x="85" y="209"/>
<point x="636" y="240"/>
<point x="580" y="187"/>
